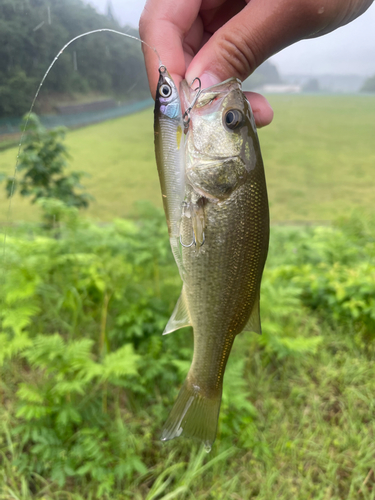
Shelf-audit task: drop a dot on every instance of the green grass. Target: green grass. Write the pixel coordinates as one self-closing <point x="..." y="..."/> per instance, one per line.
<point x="296" y="422"/>
<point x="314" y="431"/>
<point x="311" y="436"/>
<point x="319" y="155"/>
<point x="318" y="152"/>
<point x="118" y="155"/>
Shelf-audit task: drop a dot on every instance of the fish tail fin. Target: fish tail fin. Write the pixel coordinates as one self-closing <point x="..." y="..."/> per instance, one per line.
<point x="193" y="415"/>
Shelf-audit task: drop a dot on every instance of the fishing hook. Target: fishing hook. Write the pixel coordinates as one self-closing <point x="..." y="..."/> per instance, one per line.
<point x="194" y="242"/>
<point x="191" y="244"/>
<point x="186" y="115"/>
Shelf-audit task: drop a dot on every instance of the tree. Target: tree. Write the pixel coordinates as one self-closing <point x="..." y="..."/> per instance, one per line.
<point x="33" y="31"/>
<point x="266" y="73"/>
<point x="41" y="168"/>
<point x="110" y="14"/>
<point x="311" y="85"/>
<point x="369" y="85"/>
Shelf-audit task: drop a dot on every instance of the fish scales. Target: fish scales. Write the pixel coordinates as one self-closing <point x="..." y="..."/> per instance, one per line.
<point x="224" y="230"/>
<point x="233" y="271"/>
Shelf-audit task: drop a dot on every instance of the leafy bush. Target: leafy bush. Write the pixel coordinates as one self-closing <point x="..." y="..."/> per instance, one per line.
<point x="84" y="313"/>
<point x="64" y="432"/>
<point x="86" y="376"/>
<point x="332" y="271"/>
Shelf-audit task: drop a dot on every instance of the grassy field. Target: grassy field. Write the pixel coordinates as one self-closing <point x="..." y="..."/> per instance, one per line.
<point x="298" y="417"/>
<point x="318" y="152"/>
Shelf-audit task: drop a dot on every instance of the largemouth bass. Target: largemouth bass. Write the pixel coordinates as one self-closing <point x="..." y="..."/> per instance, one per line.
<point x="224" y="233"/>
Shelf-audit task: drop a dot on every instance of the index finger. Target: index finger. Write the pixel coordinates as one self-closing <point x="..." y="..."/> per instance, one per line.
<point x="163" y="25"/>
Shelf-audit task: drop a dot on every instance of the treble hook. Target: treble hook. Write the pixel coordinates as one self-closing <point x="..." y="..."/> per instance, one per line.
<point x="194" y="242"/>
<point x="191" y="244"/>
<point x="186" y="115"/>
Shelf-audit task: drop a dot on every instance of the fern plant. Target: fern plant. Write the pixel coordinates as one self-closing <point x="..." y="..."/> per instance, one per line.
<point x="64" y="429"/>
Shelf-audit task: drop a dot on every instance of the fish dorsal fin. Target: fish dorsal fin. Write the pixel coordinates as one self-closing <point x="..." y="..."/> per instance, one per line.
<point x="180" y="316"/>
<point x="253" y="325"/>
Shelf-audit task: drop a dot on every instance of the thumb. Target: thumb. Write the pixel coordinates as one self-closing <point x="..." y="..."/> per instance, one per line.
<point x="259" y="30"/>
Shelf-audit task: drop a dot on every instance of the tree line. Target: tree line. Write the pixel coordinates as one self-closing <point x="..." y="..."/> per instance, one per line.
<point x="32" y="32"/>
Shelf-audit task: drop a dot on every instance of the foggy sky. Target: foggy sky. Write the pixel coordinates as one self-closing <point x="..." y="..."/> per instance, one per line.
<point x="348" y="50"/>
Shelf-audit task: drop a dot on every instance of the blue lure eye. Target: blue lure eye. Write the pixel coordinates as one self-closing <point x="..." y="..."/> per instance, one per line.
<point x="233" y="118"/>
<point x="165" y="90"/>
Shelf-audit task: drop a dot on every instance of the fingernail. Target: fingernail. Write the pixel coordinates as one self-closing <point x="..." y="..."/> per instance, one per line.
<point x="207" y="79"/>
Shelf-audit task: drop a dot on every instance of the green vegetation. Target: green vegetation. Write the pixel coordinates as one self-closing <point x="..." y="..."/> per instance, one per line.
<point x="265" y="73"/>
<point x="311" y="85"/>
<point x="87" y="380"/>
<point x="32" y="32"/>
<point x="119" y="157"/>
<point x="319" y="156"/>
<point x="369" y="85"/>
<point x="318" y="153"/>
<point x="42" y="162"/>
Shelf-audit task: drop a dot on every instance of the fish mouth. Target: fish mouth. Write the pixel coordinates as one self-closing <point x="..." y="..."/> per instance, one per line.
<point x="188" y="94"/>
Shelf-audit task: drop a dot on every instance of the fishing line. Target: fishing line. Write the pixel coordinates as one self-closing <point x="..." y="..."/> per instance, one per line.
<point x="33" y="103"/>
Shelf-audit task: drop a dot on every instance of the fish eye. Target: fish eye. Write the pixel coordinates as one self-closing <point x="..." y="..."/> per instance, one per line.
<point x="165" y="90"/>
<point x="233" y="118"/>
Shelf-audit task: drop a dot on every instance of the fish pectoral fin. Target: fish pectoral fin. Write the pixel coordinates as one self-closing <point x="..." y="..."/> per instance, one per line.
<point x="180" y="316"/>
<point x="253" y="325"/>
<point x="198" y="223"/>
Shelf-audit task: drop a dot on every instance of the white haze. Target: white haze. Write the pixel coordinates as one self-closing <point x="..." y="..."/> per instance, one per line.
<point x="348" y="50"/>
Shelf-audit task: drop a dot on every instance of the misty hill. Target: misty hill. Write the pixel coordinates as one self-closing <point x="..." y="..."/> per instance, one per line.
<point x="32" y="32"/>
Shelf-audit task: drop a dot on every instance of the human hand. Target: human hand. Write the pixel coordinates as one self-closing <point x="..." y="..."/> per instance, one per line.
<point x="219" y="39"/>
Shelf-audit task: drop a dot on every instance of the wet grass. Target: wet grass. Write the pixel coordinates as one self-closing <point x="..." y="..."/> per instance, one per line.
<point x="313" y="437"/>
<point x="319" y="156"/>
<point x="313" y="429"/>
<point x="318" y="153"/>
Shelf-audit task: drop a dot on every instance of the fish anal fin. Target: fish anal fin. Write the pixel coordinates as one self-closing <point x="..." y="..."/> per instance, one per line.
<point x="253" y="325"/>
<point x="180" y="316"/>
